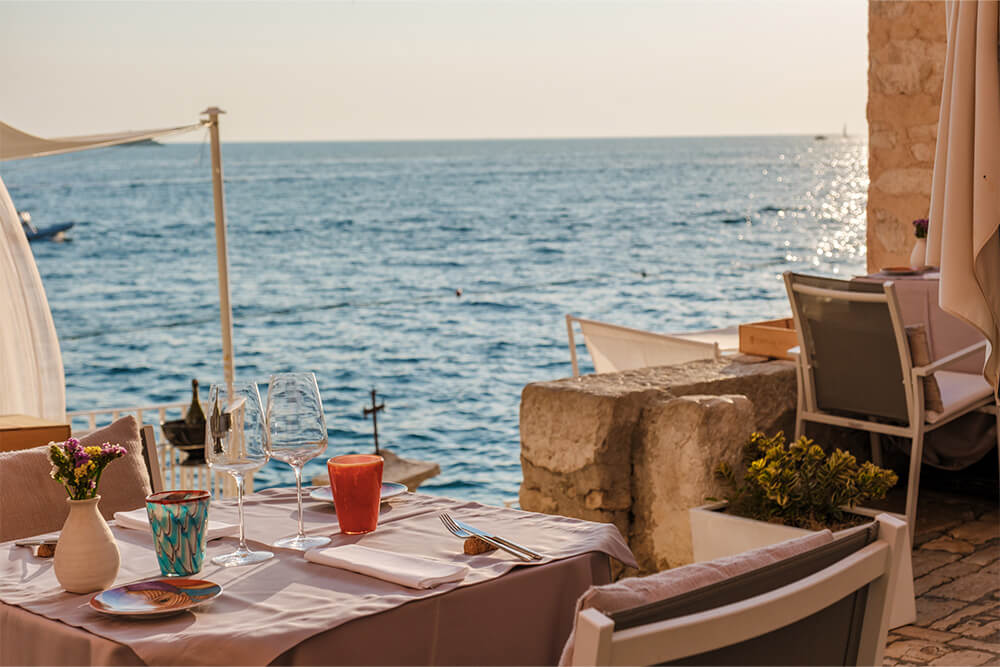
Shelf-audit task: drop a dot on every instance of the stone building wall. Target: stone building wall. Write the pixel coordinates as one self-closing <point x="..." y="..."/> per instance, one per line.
<point x="906" y="48"/>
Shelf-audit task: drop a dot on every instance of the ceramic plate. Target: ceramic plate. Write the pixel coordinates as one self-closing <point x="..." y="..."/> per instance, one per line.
<point x="156" y="597"/>
<point x="389" y="490"/>
<point x="899" y="271"/>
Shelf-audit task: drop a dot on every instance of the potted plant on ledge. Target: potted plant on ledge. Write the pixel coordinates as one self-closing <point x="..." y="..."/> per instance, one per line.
<point x="788" y="491"/>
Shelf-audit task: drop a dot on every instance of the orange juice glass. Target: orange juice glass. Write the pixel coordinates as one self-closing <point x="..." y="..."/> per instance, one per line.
<point x="356" y="481"/>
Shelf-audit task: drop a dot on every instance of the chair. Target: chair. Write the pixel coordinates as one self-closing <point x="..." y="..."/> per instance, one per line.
<point x="855" y="369"/>
<point x="615" y="348"/>
<point x="828" y="606"/>
<point x="151" y="458"/>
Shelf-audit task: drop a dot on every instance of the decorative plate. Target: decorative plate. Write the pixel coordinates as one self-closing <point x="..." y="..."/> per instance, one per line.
<point x="900" y="271"/>
<point x="156" y="597"/>
<point x="324" y="494"/>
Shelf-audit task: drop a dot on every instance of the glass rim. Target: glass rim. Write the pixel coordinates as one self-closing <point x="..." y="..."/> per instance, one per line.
<point x="365" y="459"/>
<point x="188" y="495"/>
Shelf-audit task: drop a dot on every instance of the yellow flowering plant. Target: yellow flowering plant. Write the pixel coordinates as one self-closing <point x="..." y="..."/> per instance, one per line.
<point x="79" y="468"/>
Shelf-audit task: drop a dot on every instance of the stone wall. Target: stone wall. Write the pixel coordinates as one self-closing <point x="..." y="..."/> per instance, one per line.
<point x="637" y="448"/>
<point x="906" y="48"/>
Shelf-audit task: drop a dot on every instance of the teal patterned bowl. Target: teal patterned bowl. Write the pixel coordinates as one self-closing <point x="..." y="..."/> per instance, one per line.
<point x="180" y="530"/>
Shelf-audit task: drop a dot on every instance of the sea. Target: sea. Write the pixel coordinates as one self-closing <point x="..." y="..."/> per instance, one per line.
<point x="437" y="272"/>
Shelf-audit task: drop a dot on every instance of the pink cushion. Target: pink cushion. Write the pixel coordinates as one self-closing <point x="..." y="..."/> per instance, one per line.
<point x="636" y="591"/>
<point x="32" y="503"/>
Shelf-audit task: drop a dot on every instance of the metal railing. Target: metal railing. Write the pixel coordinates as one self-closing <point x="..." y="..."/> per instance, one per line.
<point x="176" y="473"/>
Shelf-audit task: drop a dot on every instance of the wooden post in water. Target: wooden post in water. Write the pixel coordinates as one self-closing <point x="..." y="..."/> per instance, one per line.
<point x="221" y="249"/>
<point x="373" y="411"/>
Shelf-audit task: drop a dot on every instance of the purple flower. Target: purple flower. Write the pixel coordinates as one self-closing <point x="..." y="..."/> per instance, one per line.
<point x="920" y="228"/>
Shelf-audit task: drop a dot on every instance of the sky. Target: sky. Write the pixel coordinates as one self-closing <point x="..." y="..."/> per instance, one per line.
<point x="368" y="70"/>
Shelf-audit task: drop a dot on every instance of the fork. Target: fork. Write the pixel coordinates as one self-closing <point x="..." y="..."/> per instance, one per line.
<point x="459" y="532"/>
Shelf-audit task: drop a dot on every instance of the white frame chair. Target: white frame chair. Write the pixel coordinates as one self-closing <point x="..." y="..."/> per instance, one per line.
<point x="917" y="424"/>
<point x="597" y="642"/>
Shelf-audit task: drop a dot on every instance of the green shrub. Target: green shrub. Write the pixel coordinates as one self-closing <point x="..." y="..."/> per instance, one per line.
<point x="798" y="484"/>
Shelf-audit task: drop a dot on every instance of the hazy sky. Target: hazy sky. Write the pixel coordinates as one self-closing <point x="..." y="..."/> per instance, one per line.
<point x="471" y="69"/>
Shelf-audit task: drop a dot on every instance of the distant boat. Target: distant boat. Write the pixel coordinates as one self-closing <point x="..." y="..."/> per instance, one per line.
<point x="845" y="130"/>
<point x="820" y="137"/>
<point x="55" y="232"/>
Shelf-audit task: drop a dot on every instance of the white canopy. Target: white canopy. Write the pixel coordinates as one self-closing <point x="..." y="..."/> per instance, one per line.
<point x="31" y="368"/>
<point x="15" y="144"/>
<point x="964" y="232"/>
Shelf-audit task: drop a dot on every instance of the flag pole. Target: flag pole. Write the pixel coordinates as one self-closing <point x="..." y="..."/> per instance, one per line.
<point x="222" y="253"/>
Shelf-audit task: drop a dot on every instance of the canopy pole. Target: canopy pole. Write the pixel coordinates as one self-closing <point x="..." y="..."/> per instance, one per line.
<point x="222" y="252"/>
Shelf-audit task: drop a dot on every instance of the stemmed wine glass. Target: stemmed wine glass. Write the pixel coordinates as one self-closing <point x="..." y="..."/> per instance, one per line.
<point x="237" y="442"/>
<point x="298" y="433"/>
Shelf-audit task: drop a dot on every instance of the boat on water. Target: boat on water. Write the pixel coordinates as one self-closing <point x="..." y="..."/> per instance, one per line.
<point x="55" y="232"/>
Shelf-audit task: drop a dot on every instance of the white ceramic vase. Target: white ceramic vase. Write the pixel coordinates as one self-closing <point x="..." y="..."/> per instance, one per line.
<point x="918" y="256"/>
<point x="87" y="557"/>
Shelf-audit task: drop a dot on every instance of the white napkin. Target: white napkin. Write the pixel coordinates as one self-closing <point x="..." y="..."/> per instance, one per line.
<point x="139" y="520"/>
<point x="409" y="571"/>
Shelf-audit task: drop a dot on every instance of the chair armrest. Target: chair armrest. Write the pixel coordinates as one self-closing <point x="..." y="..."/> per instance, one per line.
<point x="921" y="371"/>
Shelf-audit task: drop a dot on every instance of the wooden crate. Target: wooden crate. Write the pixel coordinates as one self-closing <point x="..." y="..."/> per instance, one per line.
<point x="769" y="339"/>
<point x="23" y="432"/>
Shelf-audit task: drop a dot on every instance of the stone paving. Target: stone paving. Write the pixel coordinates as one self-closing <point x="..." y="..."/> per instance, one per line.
<point x="956" y="569"/>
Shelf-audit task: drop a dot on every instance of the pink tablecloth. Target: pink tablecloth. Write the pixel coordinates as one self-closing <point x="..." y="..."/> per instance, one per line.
<point x="289" y="611"/>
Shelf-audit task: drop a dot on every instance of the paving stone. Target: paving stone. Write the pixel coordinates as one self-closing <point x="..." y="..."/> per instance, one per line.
<point x="977" y="629"/>
<point x="961" y="611"/>
<point x="929" y="581"/>
<point x="958" y="569"/>
<point x="925" y="560"/>
<point x="915" y="649"/>
<point x="976" y="532"/>
<point x="969" y="588"/>
<point x="964" y="658"/>
<point x="916" y="632"/>
<point x="984" y="555"/>
<point x="965" y="642"/>
<point x="950" y="545"/>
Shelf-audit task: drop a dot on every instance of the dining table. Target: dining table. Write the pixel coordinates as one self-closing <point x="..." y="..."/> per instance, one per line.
<point x="291" y="611"/>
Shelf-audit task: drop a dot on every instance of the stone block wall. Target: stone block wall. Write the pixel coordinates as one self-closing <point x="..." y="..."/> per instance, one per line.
<point x="637" y="448"/>
<point x="906" y="48"/>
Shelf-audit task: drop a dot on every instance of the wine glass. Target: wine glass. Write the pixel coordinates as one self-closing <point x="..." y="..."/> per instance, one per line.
<point x="236" y="442"/>
<point x="298" y="433"/>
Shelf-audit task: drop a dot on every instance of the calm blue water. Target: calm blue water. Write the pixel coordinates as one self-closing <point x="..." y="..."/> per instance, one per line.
<point x="345" y="259"/>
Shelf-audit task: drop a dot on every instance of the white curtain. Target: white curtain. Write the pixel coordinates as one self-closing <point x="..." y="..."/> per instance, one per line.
<point x="964" y="234"/>
<point x="31" y="368"/>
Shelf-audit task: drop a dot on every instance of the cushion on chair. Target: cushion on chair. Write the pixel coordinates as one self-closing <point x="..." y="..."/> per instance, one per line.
<point x="958" y="392"/>
<point x="32" y="503"/>
<point x="920" y="355"/>
<point x="634" y="592"/>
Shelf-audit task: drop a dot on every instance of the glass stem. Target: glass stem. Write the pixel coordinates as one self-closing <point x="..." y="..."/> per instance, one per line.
<point x="239" y="502"/>
<point x="298" y="495"/>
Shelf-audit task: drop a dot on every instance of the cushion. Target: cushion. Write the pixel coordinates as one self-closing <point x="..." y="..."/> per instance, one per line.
<point x="34" y="503"/>
<point x="638" y="591"/>
<point x="920" y="355"/>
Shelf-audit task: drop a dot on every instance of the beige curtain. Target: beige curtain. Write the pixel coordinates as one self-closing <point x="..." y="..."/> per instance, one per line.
<point x="31" y="369"/>
<point x="964" y="234"/>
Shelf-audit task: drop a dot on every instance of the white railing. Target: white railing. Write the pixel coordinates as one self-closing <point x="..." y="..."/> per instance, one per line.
<point x="176" y="475"/>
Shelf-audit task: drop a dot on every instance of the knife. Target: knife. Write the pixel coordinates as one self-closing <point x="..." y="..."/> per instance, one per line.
<point x="496" y="538"/>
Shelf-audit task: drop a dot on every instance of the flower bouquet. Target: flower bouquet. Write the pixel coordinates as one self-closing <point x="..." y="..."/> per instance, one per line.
<point x="87" y="557"/>
<point x="920" y="228"/>
<point x="79" y="468"/>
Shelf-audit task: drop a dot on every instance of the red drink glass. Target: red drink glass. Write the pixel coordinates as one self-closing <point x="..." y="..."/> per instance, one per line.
<point x="356" y="481"/>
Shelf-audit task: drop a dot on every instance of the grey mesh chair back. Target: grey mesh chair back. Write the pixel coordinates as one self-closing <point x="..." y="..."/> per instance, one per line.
<point x="853" y="363"/>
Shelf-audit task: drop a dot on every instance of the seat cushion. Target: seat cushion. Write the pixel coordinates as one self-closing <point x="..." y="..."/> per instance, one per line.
<point x="920" y="355"/>
<point x="959" y="391"/>
<point x="33" y="503"/>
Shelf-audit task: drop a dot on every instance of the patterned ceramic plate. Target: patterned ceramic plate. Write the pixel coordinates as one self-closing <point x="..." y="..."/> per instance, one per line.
<point x="156" y="597"/>
<point x="324" y="494"/>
